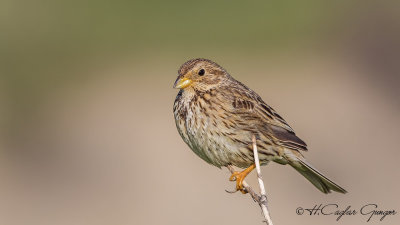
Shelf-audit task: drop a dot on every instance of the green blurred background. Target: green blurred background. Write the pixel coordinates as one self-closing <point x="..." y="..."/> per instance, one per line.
<point x="87" y="134"/>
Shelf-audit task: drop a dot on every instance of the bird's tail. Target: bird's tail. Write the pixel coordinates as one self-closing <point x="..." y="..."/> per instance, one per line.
<point x="313" y="175"/>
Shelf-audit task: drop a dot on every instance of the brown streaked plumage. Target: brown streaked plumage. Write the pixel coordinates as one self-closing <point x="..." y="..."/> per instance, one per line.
<point x="217" y="116"/>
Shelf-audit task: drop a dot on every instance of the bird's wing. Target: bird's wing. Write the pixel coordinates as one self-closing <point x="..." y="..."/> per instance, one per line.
<point x="249" y="106"/>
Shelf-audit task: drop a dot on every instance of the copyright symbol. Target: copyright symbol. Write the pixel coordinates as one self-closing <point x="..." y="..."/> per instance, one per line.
<point x="300" y="211"/>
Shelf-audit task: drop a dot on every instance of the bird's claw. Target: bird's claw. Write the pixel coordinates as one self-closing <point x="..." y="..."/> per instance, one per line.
<point x="239" y="178"/>
<point x="231" y="192"/>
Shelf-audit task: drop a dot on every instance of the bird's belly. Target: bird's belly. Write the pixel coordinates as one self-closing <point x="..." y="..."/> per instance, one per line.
<point x="216" y="143"/>
<point x="211" y="142"/>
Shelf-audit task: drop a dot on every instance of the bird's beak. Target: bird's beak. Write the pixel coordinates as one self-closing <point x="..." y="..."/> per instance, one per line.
<point x="182" y="83"/>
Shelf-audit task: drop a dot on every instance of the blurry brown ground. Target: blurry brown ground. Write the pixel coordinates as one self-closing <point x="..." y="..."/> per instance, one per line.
<point x="87" y="130"/>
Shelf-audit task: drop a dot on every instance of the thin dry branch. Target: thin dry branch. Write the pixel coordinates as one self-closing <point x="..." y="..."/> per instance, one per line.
<point x="263" y="200"/>
<point x="260" y="199"/>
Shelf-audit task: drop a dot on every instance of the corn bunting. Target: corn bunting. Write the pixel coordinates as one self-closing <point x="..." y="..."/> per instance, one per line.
<point x="217" y="116"/>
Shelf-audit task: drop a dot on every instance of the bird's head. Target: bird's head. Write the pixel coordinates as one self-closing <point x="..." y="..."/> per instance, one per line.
<point x="201" y="74"/>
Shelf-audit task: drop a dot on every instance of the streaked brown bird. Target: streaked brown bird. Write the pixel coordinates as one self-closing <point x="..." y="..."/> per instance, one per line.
<point x="217" y="116"/>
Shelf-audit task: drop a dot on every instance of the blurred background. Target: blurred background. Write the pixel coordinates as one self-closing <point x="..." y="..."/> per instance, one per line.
<point x="87" y="134"/>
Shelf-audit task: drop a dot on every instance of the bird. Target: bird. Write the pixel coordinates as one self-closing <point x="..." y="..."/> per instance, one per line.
<point x="217" y="117"/>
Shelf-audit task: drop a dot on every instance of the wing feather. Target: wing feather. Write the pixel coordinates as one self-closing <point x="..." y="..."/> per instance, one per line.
<point x="251" y="108"/>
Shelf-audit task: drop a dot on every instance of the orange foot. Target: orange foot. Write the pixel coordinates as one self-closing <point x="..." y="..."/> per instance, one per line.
<point x="239" y="177"/>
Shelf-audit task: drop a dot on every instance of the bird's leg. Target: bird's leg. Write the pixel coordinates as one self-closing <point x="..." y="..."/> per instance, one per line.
<point x="239" y="177"/>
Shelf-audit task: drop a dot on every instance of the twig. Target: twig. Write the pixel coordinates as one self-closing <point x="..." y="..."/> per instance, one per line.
<point x="263" y="200"/>
<point x="260" y="199"/>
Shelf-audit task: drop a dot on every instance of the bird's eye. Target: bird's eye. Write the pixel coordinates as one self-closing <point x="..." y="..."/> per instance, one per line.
<point x="201" y="72"/>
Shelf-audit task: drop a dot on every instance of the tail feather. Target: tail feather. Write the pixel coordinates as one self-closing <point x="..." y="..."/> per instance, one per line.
<point x="319" y="180"/>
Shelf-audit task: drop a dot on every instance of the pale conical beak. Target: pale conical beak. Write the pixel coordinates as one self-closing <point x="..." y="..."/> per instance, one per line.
<point x="182" y="83"/>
